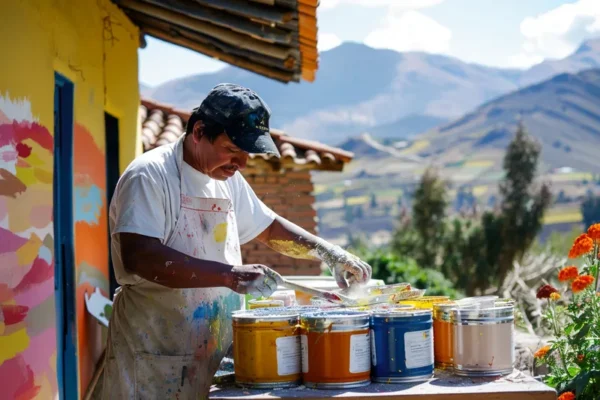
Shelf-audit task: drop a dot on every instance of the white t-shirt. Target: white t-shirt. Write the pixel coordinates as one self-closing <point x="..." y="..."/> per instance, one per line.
<point x="147" y="201"/>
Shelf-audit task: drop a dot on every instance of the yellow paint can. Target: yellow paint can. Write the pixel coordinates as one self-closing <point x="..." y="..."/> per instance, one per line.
<point x="267" y="350"/>
<point x="426" y="302"/>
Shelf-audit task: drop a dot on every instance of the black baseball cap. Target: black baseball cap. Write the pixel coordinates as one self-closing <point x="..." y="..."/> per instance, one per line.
<point x="243" y="114"/>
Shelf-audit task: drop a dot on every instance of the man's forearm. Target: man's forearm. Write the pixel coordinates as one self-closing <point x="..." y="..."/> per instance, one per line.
<point x="155" y="262"/>
<point x="291" y="240"/>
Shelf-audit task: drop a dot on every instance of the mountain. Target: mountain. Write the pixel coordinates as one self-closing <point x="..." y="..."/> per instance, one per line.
<point x="383" y="92"/>
<point x="407" y="127"/>
<point x="146" y="90"/>
<point x="563" y="113"/>
<point x="587" y="56"/>
<point x="358" y="88"/>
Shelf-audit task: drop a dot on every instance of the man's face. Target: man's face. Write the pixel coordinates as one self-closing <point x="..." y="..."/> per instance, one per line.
<point x="220" y="159"/>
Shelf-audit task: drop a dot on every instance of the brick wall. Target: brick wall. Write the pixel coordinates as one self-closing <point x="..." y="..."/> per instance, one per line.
<point x="289" y="194"/>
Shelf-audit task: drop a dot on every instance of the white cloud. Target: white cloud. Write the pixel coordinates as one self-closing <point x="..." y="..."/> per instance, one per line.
<point x="410" y="30"/>
<point x="558" y="32"/>
<point x="403" y="4"/>
<point x="328" y="41"/>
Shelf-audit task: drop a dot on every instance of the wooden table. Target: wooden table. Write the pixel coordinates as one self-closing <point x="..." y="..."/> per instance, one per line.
<point x="444" y="386"/>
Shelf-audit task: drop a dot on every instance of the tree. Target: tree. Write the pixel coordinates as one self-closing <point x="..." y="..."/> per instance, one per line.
<point x="523" y="205"/>
<point x="590" y="209"/>
<point x="474" y="251"/>
<point x="420" y="237"/>
<point x="373" y="203"/>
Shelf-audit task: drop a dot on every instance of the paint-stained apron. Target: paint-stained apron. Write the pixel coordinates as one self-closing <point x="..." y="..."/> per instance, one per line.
<point x="168" y="343"/>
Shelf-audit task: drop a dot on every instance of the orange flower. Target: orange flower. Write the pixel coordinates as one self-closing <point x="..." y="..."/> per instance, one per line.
<point x="594" y="231"/>
<point x="542" y="352"/>
<point x="568" y="273"/>
<point x="581" y="282"/>
<point x="582" y="245"/>
<point x="554" y="296"/>
<point x="567" y="396"/>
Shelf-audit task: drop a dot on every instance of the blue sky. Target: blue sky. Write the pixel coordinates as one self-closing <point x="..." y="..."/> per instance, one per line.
<point x="503" y="33"/>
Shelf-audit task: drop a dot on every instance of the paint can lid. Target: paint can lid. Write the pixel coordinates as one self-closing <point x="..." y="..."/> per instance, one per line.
<point x="478" y="301"/>
<point x="400" y="313"/>
<point x="335" y="320"/>
<point x="491" y="315"/>
<point x="275" y="314"/>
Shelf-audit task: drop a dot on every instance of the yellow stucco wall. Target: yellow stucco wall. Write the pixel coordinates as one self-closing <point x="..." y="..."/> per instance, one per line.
<point x="92" y="43"/>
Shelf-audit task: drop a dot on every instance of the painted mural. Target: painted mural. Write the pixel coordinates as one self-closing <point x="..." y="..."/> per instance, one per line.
<point x="91" y="244"/>
<point x="27" y="313"/>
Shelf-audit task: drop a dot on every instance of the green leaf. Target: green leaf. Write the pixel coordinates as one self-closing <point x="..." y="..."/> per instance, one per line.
<point x="581" y="382"/>
<point x="568" y="329"/>
<point x="573" y="369"/>
<point x="583" y="332"/>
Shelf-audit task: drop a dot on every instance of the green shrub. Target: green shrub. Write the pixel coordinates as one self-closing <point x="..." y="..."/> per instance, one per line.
<point x="392" y="269"/>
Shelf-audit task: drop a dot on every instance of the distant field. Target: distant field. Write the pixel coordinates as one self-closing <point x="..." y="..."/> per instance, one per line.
<point x="573" y="176"/>
<point x="562" y="215"/>
<point x="416" y="147"/>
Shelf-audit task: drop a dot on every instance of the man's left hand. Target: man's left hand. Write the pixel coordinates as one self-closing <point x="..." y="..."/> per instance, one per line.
<point x="343" y="263"/>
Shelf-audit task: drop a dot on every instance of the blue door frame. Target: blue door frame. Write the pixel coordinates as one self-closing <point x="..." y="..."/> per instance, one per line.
<point x="64" y="257"/>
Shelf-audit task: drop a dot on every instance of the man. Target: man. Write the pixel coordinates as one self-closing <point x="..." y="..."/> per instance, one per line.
<point x="178" y="217"/>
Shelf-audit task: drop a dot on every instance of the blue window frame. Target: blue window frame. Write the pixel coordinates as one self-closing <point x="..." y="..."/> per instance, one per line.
<point x="64" y="258"/>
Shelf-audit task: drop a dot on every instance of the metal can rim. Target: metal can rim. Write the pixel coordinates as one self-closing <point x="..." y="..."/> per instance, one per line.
<point x="261" y="315"/>
<point x="336" y="320"/>
<point x="399" y="314"/>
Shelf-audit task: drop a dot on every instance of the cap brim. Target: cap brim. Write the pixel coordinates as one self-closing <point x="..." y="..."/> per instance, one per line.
<point x="255" y="142"/>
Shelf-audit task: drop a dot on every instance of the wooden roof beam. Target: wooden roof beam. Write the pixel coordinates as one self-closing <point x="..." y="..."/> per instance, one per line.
<point x="236" y="23"/>
<point x="246" y="64"/>
<point x="222" y="34"/>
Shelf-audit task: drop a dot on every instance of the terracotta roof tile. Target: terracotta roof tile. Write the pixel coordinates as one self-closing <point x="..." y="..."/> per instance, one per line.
<point x="162" y="124"/>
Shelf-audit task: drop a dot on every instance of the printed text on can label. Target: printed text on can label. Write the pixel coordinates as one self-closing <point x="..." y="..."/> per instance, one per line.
<point x="418" y="347"/>
<point x="288" y="355"/>
<point x="360" y="353"/>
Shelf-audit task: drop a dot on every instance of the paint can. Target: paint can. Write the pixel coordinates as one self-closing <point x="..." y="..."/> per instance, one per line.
<point x="268" y="303"/>
<point x="402" y="346"/>
<point x="484" y="341"/>
<point x="443" y="334"/>
<point x="336" y="349"/>
<point x="267" y="349"/>
<point x="426" y="302"/>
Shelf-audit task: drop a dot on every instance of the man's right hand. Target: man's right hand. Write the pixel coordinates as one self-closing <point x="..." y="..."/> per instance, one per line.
<point x="254" y="279"/>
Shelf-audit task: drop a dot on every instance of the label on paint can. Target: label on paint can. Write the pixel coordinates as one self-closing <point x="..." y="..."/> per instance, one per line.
<point x="418" y="347"/>
<point x="304" y="350"/>
<point x="360" y="357"/>
<point x="373" y="352"/>
<point x="288" y="355"/>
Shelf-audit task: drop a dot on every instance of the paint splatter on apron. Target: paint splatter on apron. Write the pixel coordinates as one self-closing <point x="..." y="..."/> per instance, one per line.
<point x="168" y="343"/>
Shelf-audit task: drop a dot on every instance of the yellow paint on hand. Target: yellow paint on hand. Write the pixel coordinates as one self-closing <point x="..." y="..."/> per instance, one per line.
<point x="220" y="232"/>
<point x="11" y="345"/>
<point x="29" y="251"/>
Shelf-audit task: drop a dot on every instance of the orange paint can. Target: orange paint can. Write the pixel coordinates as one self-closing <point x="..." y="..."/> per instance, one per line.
<point x="336" y="349"/>
<point x="266" y="348"/>
<point x="443" y="334"/>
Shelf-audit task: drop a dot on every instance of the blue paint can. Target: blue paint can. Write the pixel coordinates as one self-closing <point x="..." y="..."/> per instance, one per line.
<point x="402" y="346"/>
